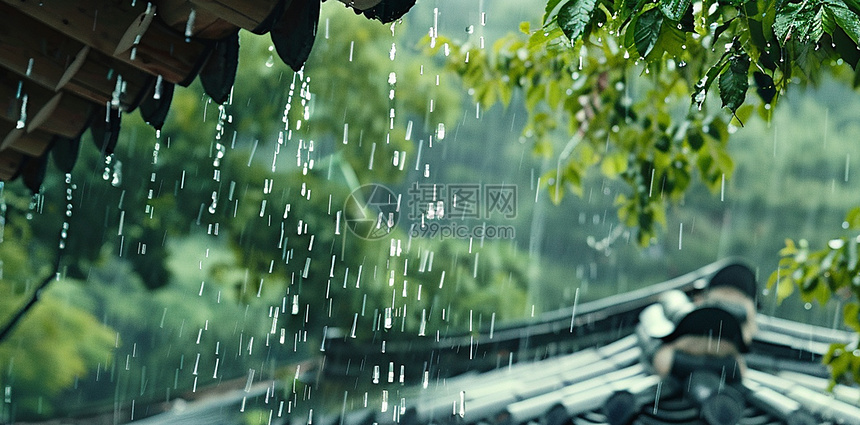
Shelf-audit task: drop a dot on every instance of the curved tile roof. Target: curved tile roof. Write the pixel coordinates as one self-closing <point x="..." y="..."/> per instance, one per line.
<point x="608" y="383"/>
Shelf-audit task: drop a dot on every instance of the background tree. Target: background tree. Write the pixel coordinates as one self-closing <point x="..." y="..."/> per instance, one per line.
<point x="230" y="213"/>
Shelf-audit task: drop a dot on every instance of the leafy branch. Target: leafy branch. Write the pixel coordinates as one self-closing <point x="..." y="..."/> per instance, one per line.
<point x="831" y="272"/>
<point x="611" y="74"/>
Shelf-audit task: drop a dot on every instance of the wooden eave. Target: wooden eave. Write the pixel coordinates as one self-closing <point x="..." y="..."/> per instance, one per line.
<point x="68" y="66"/>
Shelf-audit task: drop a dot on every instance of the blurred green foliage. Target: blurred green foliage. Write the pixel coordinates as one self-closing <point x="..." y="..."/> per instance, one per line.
<point x="603" y="82"/>
<point x="238" y="241"/>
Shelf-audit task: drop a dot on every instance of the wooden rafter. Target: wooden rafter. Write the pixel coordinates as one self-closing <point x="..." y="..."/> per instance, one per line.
<point x="69" y="65"/>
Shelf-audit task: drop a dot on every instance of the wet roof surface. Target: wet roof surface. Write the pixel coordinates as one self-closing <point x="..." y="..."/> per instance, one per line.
<point x="607" y="383"/>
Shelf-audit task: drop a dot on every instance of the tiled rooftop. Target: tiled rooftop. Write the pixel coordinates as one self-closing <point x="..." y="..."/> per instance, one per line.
<point x="608" y="383"/>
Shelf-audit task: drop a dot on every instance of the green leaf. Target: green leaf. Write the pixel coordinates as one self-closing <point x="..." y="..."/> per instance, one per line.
<point x="764" y="86"/>
<point x="856" y="82"/>
<point x="743" y="114"/>
<point x="646" y="31"/>
<point x="853" y="218"/>
<point x="538" y="39"/>
<point x="550" y="8"/>
<point x="674" y="9"/>
<point x="784" y="288"/>
<point x="724" y="161"/>
<point x="505" y="93"/>
<point x="793" y="21"/>
<point x="821" y="293"/>
<point x="772" y="279"/>
<point x="574" y="17"/>
<point x="628" y="8"/>
<point x="846" y="19"/>
<point x="542" y="148"/>
<point x="839" y="360"/>
<point x="816" y="27"/>
<point x="734" y="82"/>
<point x="554" y="186"/>
<point x="614" y="164"/>
<point x="525" y="27"/>
<point x="695" y="139"/>
<point x="851" y="316"/>
<point x="790" y="248"/>
<point x="704" y="84"/>
<point x="572" y="175"/>
<point x="854" y="5"/>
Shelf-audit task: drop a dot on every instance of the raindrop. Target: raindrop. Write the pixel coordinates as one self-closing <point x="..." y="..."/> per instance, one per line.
<point x="462" y="410"/>
<point x="116" y="179"/>
<point x="214" y="204"/>
<point x="189" y="25"/>
<point x="158" y="87"/>
<point x="107" y="172"/>
<point x="657" y="396"/>
<point x="22" y="120"/>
